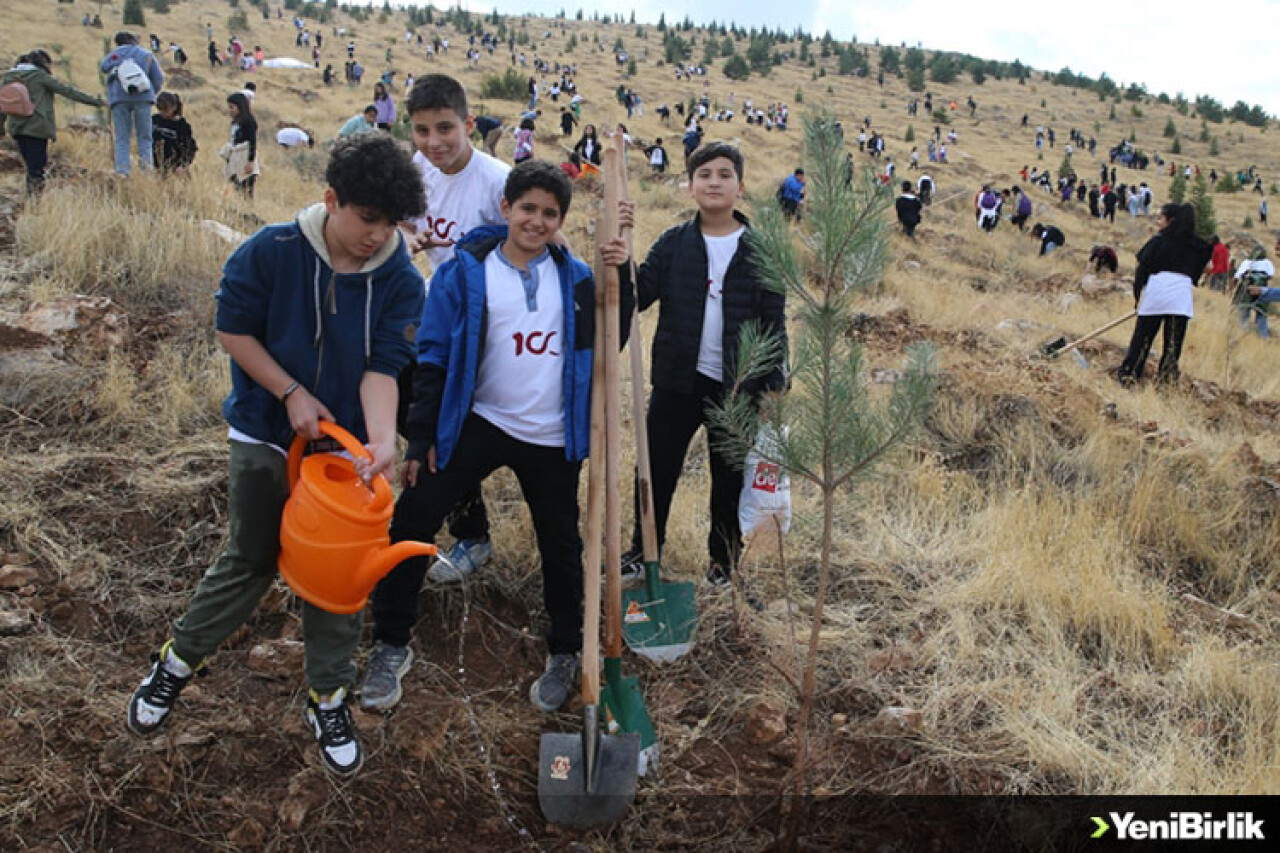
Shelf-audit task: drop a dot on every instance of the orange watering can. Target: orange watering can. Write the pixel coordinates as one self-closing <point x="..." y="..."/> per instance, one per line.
<point x="334" y="545"/>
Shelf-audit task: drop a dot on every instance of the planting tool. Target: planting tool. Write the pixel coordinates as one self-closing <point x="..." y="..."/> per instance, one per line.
<point x="1057" y="347"/>
<point x="589" y="779"/>
<point x="621" y="701"/>
<point x="660" y="617"/>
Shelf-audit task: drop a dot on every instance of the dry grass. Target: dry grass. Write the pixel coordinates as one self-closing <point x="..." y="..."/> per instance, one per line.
<point x="1018" y="575"/>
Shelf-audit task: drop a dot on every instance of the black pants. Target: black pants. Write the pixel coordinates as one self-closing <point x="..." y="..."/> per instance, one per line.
<point x="673" y="419"/>
<point x="549" y="483"/>
<point x="469" y="518"/>
<point x="909" y="228"/>
<point x="1144" y="335"/>
<point x="35" y="154"/>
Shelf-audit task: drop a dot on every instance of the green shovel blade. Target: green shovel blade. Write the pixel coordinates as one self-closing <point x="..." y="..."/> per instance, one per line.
<point x="624" y="712"/>
<point x="659" y="618"/>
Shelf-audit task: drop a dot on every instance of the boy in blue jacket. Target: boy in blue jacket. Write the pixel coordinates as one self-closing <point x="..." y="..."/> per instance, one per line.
<point x="318" y="316"/>
<point x="503" y="380"/>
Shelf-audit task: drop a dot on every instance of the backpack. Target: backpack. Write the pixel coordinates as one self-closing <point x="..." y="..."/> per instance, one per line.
<point x="132" y="78"/>
<point x="15" y="100"/>
<point x="988" y="201"/>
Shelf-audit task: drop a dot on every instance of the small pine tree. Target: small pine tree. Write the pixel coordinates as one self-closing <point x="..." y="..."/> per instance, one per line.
<point x="1178" y="188"/>
<point x="1112" y="114"/>
<point x="1213" y="147"/>
<point x="1204" y="131"/>
<point x="736" y="68"/>
<point x="631" y="67"/>
<point x="915" y="79"/>
<point x="133" y="14"/>
<point x="1064" y="168"/>
<point x="1248" y="221"/>
<point x="910" y="135"/>
<point x="830" y="432"/>
<point x="1206" y="221"/>
<point x="1177" y="145"/>
<point x="1170" y="130"/>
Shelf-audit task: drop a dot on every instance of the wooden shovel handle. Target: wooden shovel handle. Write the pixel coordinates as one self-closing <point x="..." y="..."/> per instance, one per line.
<point x="1098" y="331"/>
<point x="595" y="519"/>
<point x="608" y="276"/>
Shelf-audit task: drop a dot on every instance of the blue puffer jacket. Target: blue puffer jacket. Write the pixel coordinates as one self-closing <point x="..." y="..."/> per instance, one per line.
<point x="146" y="61"/>
<point x="325" y="329"/>
<point x="451" y="340"/>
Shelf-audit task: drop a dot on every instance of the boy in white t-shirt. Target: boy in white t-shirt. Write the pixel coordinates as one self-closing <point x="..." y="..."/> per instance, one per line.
<point x="505" y="350"/>
<point x="463" y="189"/>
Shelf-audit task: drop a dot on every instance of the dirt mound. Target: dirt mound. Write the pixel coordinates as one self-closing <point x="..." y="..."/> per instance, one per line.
<point x="182" y="80"/>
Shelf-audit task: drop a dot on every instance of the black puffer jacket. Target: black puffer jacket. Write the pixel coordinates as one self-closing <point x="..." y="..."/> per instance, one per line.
<point x="674" y="274"/>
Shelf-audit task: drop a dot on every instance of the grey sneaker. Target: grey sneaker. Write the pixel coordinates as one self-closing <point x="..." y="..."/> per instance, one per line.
<point x="380" y="689"/>
<point x="461" y="560"/>
<point x="554" y="685"/>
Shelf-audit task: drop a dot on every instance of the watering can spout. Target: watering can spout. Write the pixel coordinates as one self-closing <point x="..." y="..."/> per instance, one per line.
<point x="379" y="562"/>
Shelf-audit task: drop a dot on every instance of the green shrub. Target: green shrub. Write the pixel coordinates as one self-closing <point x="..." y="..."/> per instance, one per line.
<point x="1170" y="130"/>
<point x="133" y="14"/>
<point x="1177" y="146"/>
<point x="508" y="86"/>
<point x="910" y="135"/>
<point x="736" y="68"/>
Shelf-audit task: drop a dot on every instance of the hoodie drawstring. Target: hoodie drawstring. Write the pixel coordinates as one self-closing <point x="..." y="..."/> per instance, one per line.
<point x="319" y="320"/>
<point x="368" y="313"/>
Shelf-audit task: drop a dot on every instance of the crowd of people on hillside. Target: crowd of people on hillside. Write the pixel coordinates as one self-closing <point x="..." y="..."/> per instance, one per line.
<point x="326" y="318"/>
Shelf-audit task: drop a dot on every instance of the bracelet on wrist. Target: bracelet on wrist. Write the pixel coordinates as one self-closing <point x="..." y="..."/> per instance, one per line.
<point x="293" y="386"/>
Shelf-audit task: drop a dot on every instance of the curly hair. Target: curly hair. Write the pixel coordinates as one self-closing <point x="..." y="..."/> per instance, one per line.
<point x="372" y="170"/>
<point x="538" y="175"/>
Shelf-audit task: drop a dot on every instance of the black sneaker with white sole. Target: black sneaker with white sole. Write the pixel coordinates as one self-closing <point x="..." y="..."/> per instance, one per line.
<point x="633" y="567"/>
<point x="330" y="720"/>
<point x="151" y="703"/>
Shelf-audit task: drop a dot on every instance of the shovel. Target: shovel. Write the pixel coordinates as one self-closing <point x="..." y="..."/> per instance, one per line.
<point x="621" y="701"/>
<point x="589" y="779"/>
<point x="1057" y="347"/>
<point x="659" y="617"/>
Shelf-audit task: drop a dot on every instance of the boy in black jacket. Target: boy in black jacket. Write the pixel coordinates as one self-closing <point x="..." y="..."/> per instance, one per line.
<point x="703" y="276"/>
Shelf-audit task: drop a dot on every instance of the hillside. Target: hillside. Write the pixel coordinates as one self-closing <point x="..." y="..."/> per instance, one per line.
<point x="1075" y="585"/>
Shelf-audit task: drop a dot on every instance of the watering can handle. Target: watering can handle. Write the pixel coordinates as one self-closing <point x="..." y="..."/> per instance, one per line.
<point x="381" y="488"/>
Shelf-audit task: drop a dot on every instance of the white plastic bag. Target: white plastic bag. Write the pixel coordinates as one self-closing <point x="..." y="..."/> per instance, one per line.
<point x="766" y="487"/>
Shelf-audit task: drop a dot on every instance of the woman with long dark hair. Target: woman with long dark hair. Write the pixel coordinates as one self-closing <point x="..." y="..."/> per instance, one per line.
<point x="241" y="152"/>
<point x="1168" y="267"/>
<point x="385" y="105"/>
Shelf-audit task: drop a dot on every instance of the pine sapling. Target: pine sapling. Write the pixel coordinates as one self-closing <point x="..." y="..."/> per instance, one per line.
<point x="827" y="430"/>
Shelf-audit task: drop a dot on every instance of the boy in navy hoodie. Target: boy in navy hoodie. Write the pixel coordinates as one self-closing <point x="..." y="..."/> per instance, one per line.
<point x="504" y="380"/>
<point x="318" y="316"/>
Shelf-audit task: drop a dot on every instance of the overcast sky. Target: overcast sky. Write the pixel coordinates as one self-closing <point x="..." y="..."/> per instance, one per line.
<point x="1228" y="49"/>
